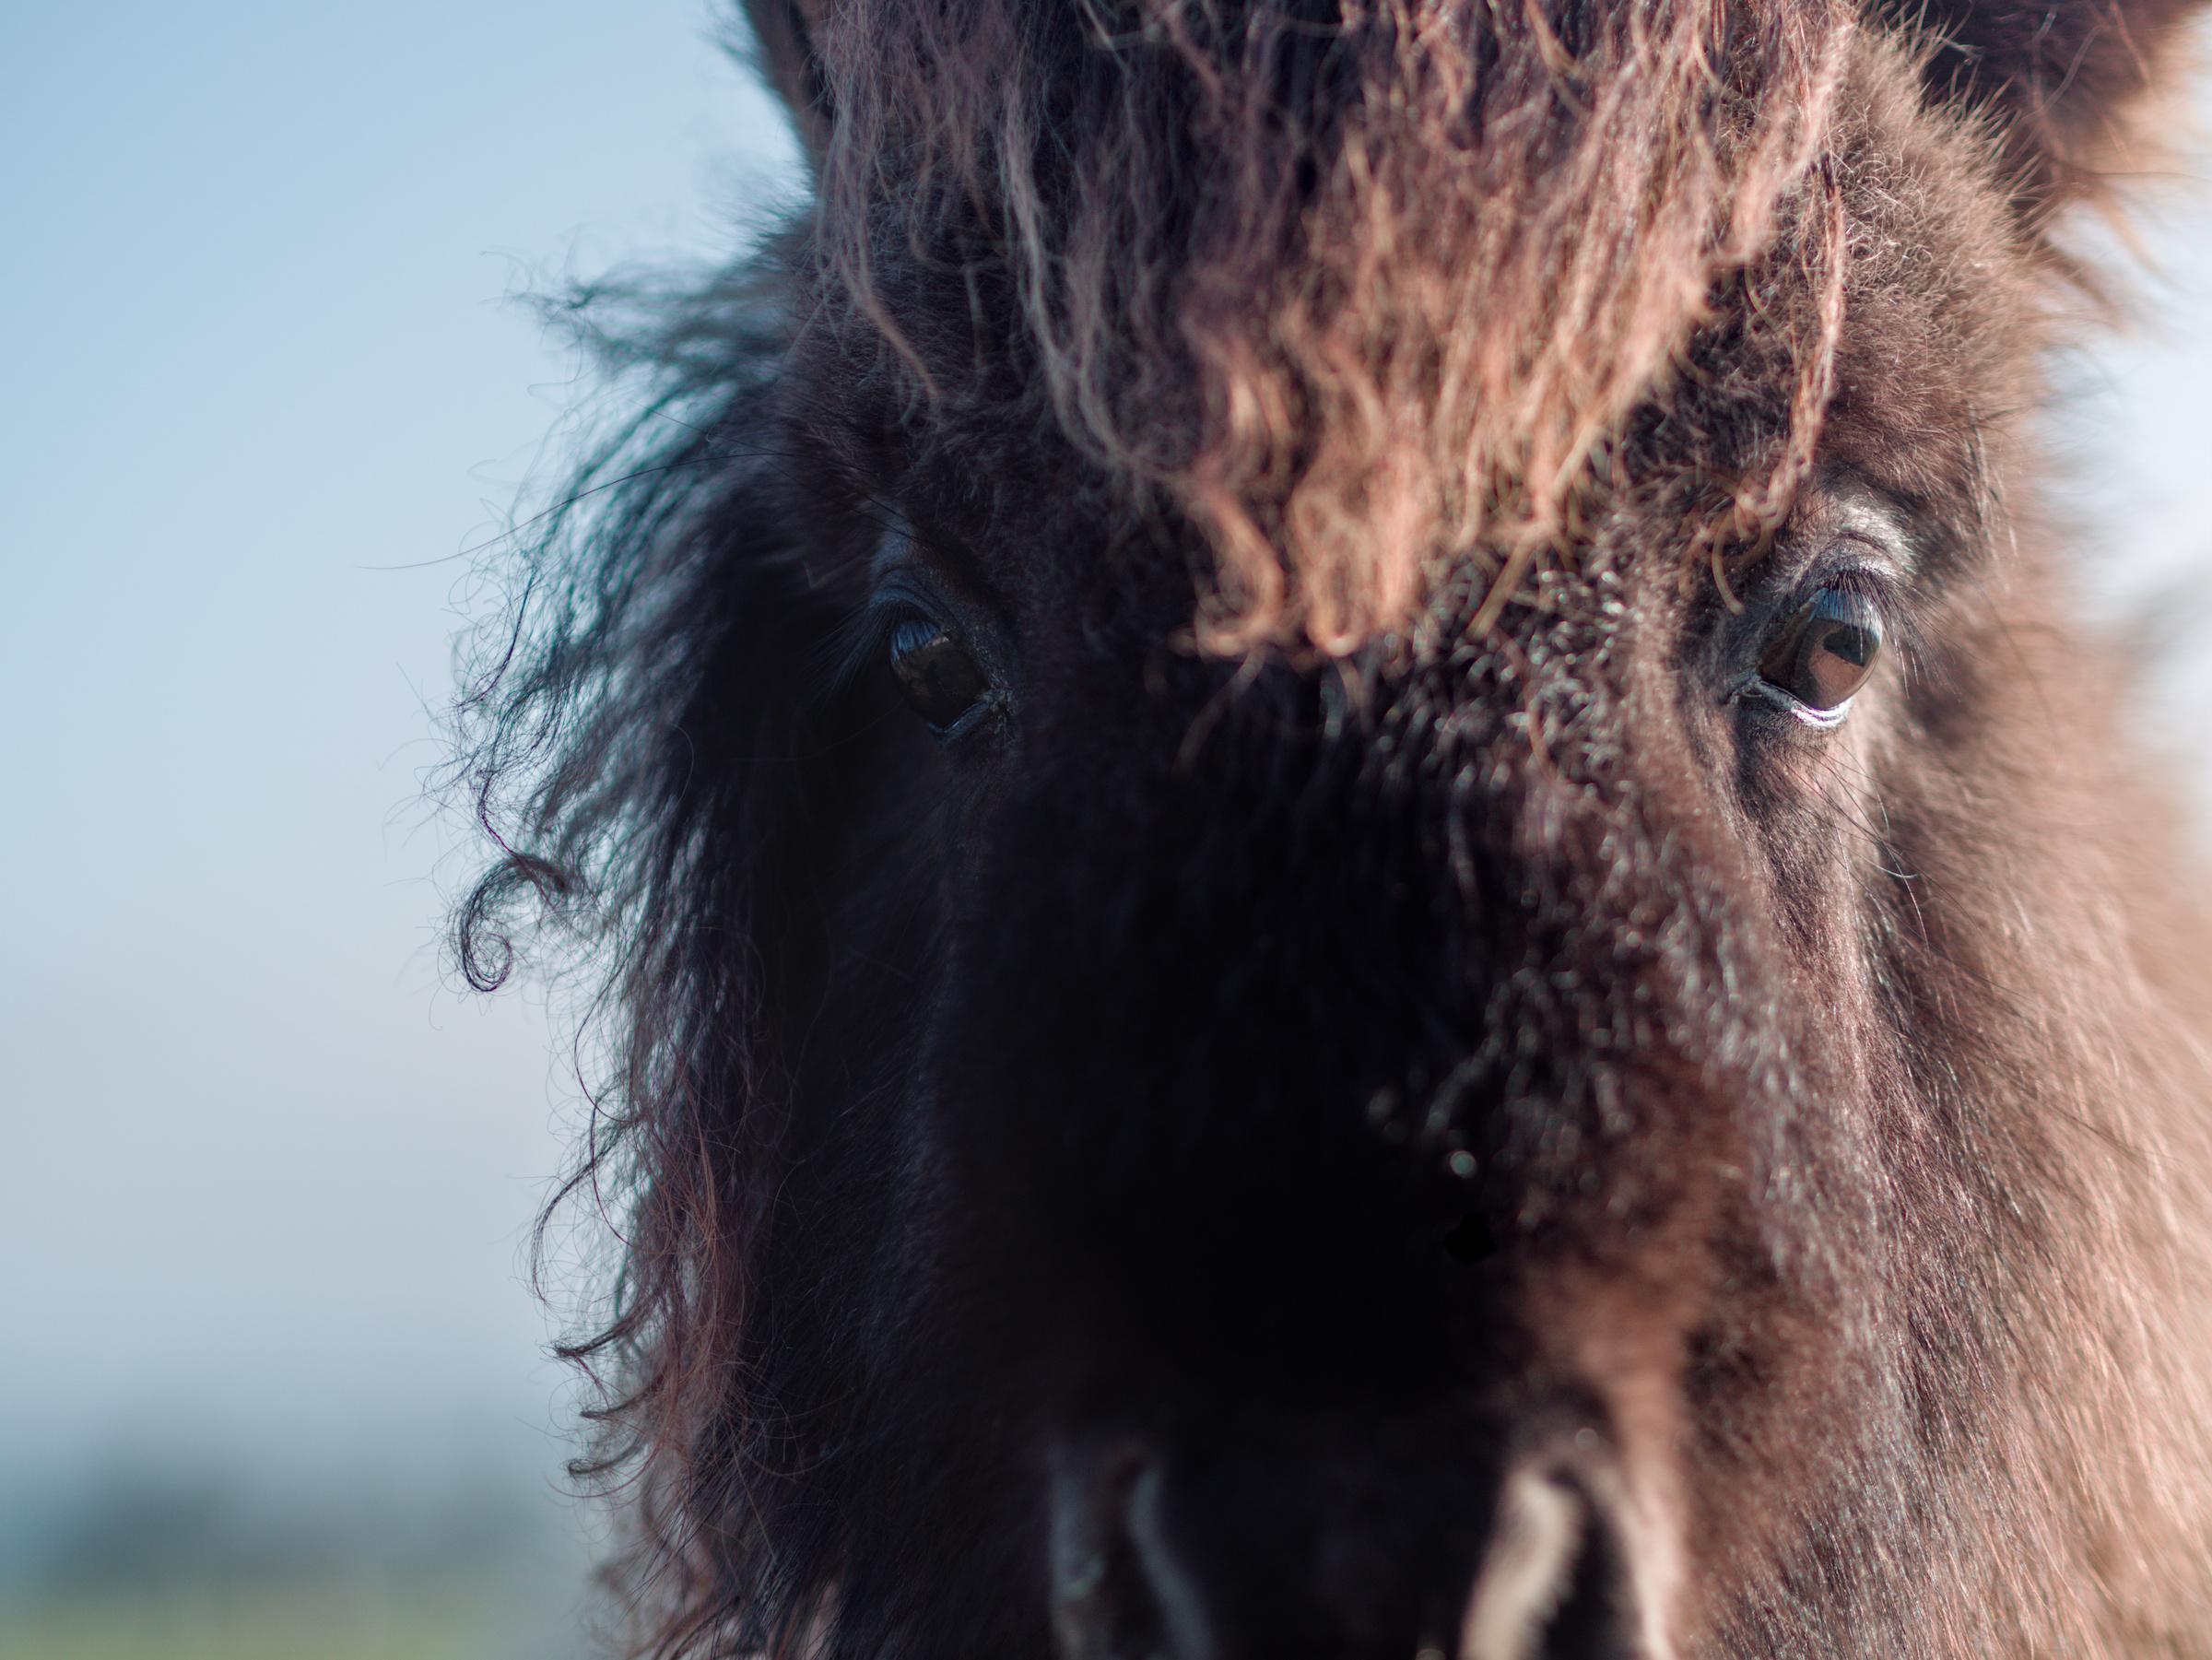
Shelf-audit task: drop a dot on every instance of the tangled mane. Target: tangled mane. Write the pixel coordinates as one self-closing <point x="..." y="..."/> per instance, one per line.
<point x="1368" y="290"/>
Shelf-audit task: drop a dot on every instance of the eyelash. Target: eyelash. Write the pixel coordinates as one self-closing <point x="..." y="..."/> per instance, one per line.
<point x="863" y="640"/>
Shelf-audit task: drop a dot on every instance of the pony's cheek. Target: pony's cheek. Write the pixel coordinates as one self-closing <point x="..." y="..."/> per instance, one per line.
<point x="1830" y="774"/>
<point x="1797" y="775"/>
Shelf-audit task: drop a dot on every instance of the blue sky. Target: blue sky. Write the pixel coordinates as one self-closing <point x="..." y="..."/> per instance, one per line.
<point x="265" y="1170"/>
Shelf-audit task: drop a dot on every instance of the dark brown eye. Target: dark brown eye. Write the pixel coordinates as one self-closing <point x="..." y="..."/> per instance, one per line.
<point x="1827" y="651"/>
<point x="939" y="680"/>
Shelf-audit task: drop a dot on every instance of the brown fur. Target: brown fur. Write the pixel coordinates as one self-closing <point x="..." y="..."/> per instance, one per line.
<point x="1288" y="354"/>
<point x="1371" y="430"/>
<point x="1262" y="311"/>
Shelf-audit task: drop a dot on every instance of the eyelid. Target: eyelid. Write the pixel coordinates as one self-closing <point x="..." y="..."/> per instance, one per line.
<point x="1876" y="579"/>
<point x="1819" y="720"/>
<point x="1870" y="555"/>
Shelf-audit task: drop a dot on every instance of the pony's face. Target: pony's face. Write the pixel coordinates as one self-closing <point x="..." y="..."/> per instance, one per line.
<point x="1293" y="1017"/>
<point x="1391" y="1142"/>
<point x="1355" y="1102"/>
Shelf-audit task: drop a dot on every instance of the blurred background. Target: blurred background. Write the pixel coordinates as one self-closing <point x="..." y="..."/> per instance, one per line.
<point x="271" y="1381"/>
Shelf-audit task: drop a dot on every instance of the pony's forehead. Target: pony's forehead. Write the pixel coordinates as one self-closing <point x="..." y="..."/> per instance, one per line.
<point x="1372" y="290"/>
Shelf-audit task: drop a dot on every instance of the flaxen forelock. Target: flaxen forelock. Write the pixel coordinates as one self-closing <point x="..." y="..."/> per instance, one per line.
<point x="1248" y="241"/>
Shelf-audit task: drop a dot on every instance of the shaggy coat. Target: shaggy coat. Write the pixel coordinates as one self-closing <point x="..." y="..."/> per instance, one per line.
<point x="1362" y="894"/>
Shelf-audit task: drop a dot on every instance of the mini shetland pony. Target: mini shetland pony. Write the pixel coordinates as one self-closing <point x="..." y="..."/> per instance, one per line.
<point x="1364" y="895"/>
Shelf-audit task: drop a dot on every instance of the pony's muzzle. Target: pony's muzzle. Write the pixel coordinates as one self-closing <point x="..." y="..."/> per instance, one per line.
<point x="1121" y="1591"/>
<point x="1557" y="1580"/>
<point x="1144" y="1568"/>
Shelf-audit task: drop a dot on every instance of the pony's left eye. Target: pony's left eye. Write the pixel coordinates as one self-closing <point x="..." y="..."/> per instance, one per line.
<point x="1827" y="651"/>
<point x="939" y="680"/>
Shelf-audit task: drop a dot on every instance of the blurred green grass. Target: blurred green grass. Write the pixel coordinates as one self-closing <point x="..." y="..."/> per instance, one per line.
<point x="290" y="1622"/>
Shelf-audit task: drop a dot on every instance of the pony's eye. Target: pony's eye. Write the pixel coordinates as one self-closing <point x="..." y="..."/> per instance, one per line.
<point x="939" y="680"/>
<point x="1827" y="651"/>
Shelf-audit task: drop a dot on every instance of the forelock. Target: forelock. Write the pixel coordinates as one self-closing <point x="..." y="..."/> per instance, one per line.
<point x="1367" y="288"/>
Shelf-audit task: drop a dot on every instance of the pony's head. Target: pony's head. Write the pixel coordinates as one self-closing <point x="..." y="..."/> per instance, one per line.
<point x="1358" y="894"/>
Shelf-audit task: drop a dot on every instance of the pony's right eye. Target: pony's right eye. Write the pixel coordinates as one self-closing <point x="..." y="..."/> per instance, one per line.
<point x="939" y="680"/>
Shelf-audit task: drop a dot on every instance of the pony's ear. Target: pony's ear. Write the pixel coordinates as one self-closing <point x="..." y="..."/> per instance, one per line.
<point x="784" y="54"/>
<point x="2071" y="84"/>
